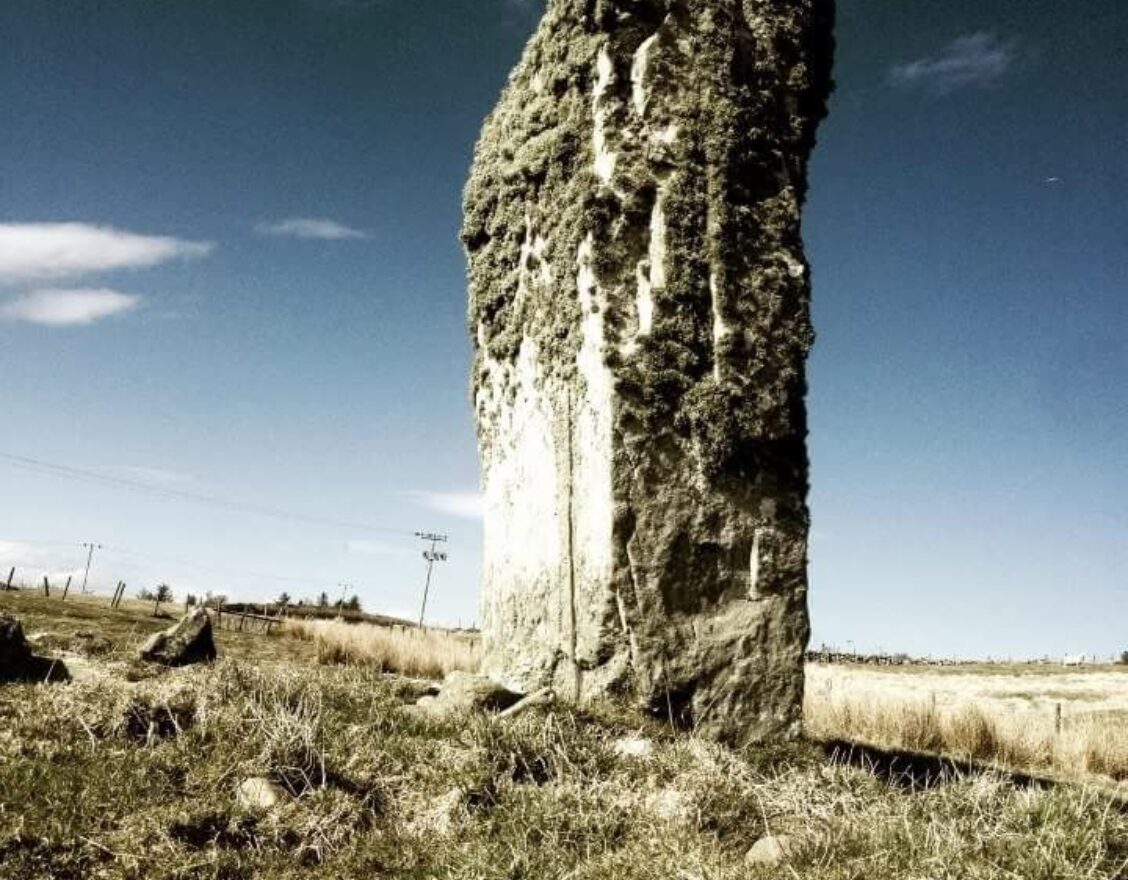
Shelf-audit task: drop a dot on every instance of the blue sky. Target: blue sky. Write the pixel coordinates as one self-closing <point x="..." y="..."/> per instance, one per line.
<point x="258" y="295"/>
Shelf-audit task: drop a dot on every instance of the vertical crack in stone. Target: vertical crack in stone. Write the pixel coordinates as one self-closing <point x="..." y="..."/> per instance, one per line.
<point x="573" y="634"/>
<point x="641" y="412"/>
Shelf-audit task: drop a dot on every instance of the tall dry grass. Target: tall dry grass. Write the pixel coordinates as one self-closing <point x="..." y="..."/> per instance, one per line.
<point x="420" y="653"/>
<point x="1086" y="745"/>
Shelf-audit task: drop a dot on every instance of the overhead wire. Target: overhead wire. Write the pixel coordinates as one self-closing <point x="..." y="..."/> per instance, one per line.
<point x="82" y="474"/>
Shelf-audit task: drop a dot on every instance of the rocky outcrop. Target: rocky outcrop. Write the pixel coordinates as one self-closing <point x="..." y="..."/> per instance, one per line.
<point x="18" y="662"/>
<point x="189" y="641"/>
<point x="639" y="302"/>
<point x="15" y="652"/>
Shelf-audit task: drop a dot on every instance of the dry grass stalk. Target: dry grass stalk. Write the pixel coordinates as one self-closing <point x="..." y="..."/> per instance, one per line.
<point x="421" y="653"/>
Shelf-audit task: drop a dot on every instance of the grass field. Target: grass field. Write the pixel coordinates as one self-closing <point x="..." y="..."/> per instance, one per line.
<point x="1059" y="720"/>
<point x="132" y="772"/>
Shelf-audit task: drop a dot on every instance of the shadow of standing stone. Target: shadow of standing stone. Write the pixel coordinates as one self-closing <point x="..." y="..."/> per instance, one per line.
<point x="189" y="641"/>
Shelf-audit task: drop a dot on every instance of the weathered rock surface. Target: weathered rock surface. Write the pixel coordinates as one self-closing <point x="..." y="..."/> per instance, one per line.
<point x="639" y="301"/>
<point x="189" y="641"/>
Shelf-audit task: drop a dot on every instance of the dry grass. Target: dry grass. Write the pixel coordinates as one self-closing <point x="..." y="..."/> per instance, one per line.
<point x="1095" y="744"/>
<point x="421" y="653"/>
<point x="120" y="775"/>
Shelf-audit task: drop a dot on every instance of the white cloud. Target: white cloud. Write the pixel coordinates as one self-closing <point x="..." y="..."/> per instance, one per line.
<point x="977" y="59"/>
<point x="465" y="505"/>
<point x="319" y="228"/>
<point x="55" y="307"/>
<point x="37" y="251"/>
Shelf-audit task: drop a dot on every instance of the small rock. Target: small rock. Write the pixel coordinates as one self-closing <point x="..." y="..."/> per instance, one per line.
<point x="633" y="747"/>
<point x="466" y="692"/>
<point x="670" y="804"/>
<point x="259" y="794"/>
<point x="189" y="641"/>
<point x="770" y="851"/>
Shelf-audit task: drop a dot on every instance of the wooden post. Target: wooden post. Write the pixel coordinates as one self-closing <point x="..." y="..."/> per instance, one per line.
<point x="11" y="575"/>
<point x="66" y="588"/>
<point x="242" y="621"/>
<point x="1057" y="720"/>
<point x="46" y="586"/>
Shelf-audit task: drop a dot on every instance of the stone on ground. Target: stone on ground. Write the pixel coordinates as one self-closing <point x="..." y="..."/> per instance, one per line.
<point x="259" y="794"/>
<point x="640" y="308"/>
<point x="466" y="692"/>
<point x="15" y="652"/>
<point x="17" y="661"/>
<point x="188" y="641"/>
<point x="770" y="851"/>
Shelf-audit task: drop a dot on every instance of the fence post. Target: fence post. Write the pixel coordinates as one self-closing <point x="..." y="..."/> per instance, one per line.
<point x="1057" y="720"/>
<point x="66" y="588"/>
<point x="11" y="575"/>
<point x="46" y="586"/>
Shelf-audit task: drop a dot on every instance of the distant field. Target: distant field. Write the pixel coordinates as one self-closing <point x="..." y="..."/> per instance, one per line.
<point x="1007" y="714"/>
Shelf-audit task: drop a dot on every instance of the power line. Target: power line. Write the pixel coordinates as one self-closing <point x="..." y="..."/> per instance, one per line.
<point x="74" y="473"/>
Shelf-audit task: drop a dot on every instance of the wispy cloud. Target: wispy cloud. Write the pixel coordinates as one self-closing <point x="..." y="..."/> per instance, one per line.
<point x="465" y="505"/>
<point x="57" y="307"/>
<point x="38" y="251"/>
<point x="157" y="476"/>
<point x="375" y="548"/>
<point x="320" y="228"/>
<point x="978" y="59"/>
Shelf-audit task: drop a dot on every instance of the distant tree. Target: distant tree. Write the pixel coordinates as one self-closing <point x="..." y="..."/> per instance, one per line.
<point x="323" y="600"/>
<point x="283" y="600"/>
<point x="146" y="595"/>
<point x="352" y="604"/>
<point x="163" y="594"/>
<point x="1124" y="658"/>
<point x="190" y="601"/>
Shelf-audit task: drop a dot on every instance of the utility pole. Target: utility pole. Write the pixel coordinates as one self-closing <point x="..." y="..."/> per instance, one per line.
<point x="89" y="558"/>
<point x="432" y="555"/>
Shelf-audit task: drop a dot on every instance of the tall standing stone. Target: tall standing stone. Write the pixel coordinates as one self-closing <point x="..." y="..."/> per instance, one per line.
<point x="639" y="301"/>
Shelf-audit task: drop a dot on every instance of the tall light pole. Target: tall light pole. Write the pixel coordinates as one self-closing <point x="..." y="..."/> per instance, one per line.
<point x="89" y="559"/>
<point x="344" y="592"/>
<point x="432" y="555"/>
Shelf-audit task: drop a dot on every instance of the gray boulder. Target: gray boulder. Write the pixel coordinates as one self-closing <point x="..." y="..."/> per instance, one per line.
<point x="189" y="641"/>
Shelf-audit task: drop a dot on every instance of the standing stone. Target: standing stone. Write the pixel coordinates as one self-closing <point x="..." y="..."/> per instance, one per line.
<point x="639" y="300"/>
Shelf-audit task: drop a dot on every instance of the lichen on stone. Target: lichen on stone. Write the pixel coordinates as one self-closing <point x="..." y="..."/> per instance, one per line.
<point x="639" y="302"/>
